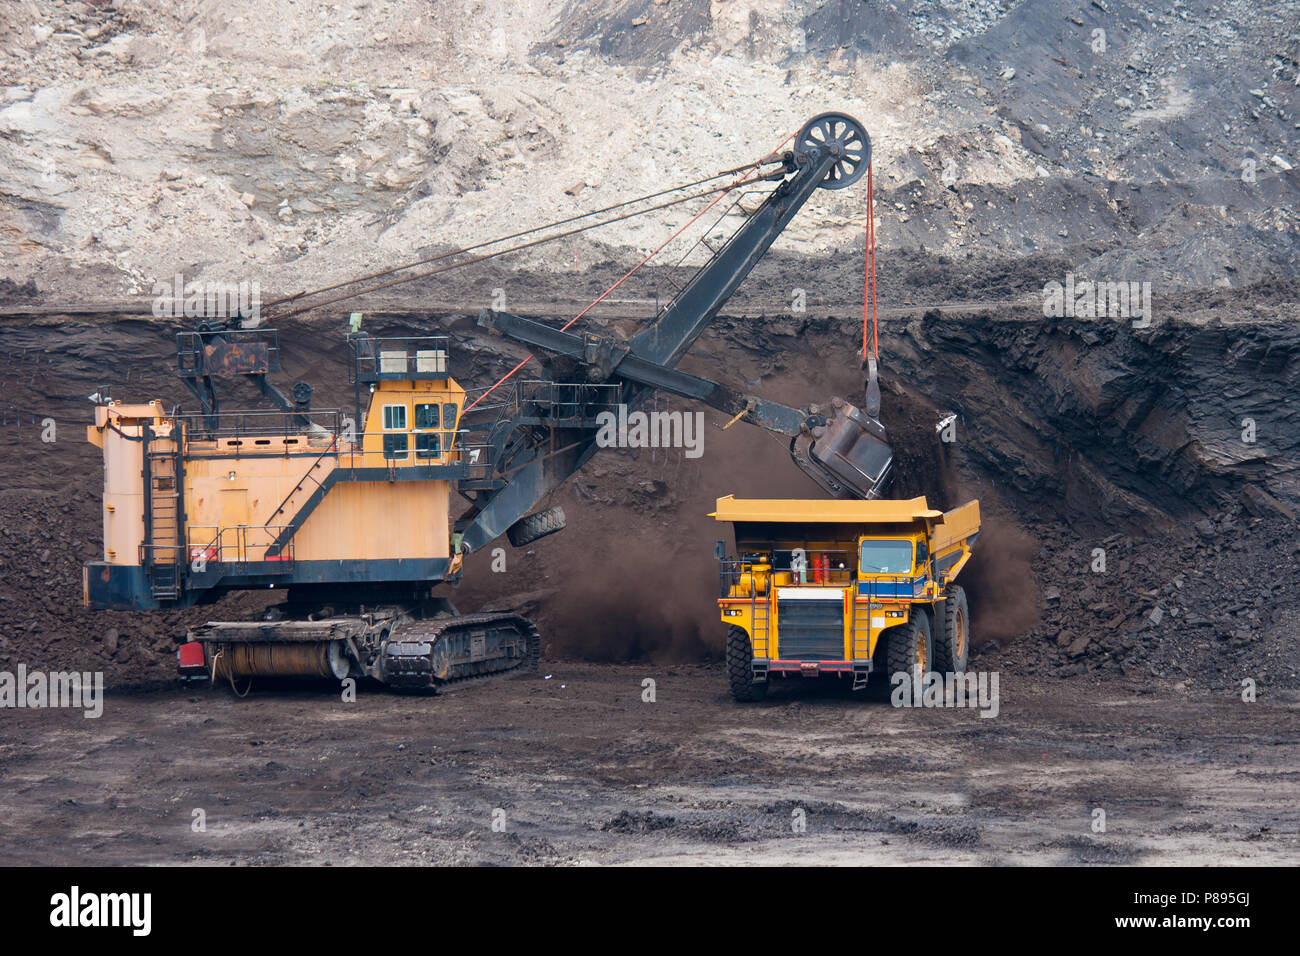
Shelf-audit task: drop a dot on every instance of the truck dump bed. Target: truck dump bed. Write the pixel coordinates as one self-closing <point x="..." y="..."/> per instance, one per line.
<point x="763" y="521"/>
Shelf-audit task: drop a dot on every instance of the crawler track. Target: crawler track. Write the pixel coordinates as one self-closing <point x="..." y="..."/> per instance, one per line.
<point x="458" y="651"/>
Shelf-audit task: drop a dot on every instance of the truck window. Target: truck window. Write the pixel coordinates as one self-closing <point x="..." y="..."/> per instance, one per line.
<point x="885" y="557"/>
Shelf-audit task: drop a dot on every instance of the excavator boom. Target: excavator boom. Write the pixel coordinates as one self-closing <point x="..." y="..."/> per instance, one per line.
<point x="842" y="448"/>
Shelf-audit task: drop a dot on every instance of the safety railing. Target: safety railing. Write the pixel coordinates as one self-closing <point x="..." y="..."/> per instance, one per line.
<point x="812" y="567"/>
<point x="567" y="402"/>
<point x="454" y="446"/>
<point x="332" y="449"/>
<point x="561" y="403"/>
<point x="380" y="358"/>
<point x="228" y="352"/>
<point x="820" y="567"/>
<point x="730" y="573"/>
<point x="238" y="545"/>
<point x="263" y="423"/>
<point x="787" y="568"/>
<point x="499" y="420"/>
<point x="732" y="584"/>
<point x="892" y="586"/>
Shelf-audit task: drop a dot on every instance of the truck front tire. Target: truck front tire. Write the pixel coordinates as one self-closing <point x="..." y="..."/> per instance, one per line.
<point x="740" y="668"/>
<point x="909" y="648"/>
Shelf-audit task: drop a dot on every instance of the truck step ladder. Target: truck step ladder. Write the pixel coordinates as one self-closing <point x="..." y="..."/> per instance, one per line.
<point x="760" y="611"/>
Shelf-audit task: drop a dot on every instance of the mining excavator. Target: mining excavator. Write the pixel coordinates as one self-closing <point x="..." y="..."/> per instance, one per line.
<point x="352" y="515"/>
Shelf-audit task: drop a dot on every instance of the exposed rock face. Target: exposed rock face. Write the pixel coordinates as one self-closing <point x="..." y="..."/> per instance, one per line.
<point x="303" y="143"/>
<point x="1097" y="416"/>
<point x="1076" y="435"/>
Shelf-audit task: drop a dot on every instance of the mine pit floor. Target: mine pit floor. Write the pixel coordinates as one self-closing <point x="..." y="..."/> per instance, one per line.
<point x="579" y="769"/>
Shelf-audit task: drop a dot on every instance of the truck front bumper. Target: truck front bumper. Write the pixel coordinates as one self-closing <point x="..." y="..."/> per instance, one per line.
<point x="787" y="668"/>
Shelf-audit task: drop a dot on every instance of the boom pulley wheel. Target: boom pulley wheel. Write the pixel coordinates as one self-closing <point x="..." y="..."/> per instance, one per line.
<point x="847" y="141"/>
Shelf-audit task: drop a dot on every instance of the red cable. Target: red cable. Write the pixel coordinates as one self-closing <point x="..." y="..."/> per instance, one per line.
<point x="866" y="269"/>
<point x="869" y="278"/>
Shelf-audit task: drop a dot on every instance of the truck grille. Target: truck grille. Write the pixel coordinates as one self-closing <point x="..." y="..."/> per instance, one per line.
<point x="810" y="630"/>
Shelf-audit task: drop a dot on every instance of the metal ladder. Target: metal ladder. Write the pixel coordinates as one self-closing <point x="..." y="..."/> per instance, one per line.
<point x="163" y="545"/>
<point x="862" y="638"/>
<point x="760" y="614"/>
<point x="331" y="449"/>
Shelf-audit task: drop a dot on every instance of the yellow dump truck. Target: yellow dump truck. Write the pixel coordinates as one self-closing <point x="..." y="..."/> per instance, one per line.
<point x="814" y="587"/>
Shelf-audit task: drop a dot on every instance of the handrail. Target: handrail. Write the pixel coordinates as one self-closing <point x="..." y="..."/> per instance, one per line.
<point x="190" y="347"/>
<point x="732" y="568"/>
<point x="217" y="550"/>
<point x="333" y="445"/>
<point x="259" y="422"/>
<point x="369" y="352"/>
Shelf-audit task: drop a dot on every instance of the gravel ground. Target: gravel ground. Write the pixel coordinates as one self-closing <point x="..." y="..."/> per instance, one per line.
<point x="574" y="767"/>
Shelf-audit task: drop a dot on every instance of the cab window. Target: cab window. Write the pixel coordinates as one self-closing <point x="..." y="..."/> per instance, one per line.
<point x="885" y="557"/>
<point x="426" y="416"/>
<point x="428" y="446"/>
<point x="394" y="418"/>
<point x="395" y="446"/>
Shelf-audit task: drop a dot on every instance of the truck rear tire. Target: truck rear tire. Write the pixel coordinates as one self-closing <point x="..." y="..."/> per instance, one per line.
<point x="910" y="648"/>
<point x="531" y="527"/>
<point x="952" y="637"/>
<point x="740" y="668"/>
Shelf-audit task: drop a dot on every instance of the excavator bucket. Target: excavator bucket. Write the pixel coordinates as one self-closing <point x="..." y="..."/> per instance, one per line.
<point x="848" y="456"/>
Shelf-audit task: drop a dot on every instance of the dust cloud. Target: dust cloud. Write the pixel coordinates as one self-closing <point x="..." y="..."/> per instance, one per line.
<point x="999" y="580"/>
<point x="1001" y="584"/>
<point x="633" y="577"/>
<point x="641" y="610"/>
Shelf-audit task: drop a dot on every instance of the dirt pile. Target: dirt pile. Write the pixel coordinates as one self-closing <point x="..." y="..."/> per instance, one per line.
<point x="1210" y="608"/>
<point x="51" y="526"/>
